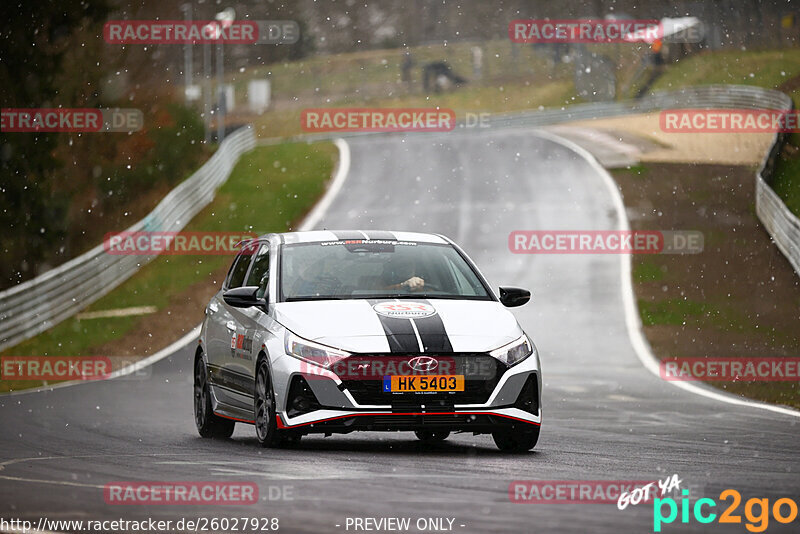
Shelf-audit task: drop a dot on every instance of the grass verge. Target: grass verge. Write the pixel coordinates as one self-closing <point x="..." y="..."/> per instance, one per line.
<point x="270" y="189"/>
<point x="738" y="298"/>
<point x="771" y="69"/>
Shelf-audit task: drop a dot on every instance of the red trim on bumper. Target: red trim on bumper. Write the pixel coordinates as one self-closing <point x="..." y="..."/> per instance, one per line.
<point x="235" y="418"/>
<point x="281" y="424"/>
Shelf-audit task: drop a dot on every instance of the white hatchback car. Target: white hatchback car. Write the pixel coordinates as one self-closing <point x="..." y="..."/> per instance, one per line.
<point x="337" y="331"/>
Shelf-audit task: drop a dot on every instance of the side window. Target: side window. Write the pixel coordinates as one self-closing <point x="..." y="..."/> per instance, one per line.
<point x="259" y="274"/>
<point x="239" y="269"/>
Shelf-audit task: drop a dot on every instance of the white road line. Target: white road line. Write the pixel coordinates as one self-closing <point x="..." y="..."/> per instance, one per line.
<point x="342" y="171"/>
<point x="634" y="325"/>
<point x="128" y="369"/>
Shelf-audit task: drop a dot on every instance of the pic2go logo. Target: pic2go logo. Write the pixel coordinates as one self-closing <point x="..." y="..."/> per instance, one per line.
<point x="758" y="522"/>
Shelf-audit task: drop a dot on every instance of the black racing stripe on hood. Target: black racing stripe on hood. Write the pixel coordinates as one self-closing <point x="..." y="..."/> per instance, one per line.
<point x="380" y="234"/>
<point x="399" y="332"/>
<point x="346" y="235"/>
<point x="433" y="333"/>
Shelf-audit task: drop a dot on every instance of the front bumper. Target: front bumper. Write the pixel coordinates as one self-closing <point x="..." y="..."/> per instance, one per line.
<point x="513" y="401"/>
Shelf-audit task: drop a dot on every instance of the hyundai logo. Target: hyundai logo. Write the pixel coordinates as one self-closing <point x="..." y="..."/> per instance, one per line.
<point x="423" y="363"/>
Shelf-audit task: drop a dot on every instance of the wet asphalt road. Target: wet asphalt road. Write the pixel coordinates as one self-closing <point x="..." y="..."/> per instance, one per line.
<point x="605" y="416"/>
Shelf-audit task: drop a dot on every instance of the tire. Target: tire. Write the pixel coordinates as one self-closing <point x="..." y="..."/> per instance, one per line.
<point x="516" y="440"/>
<point x="208" y="424"/>
<point x="264" y="408"/>
<point x="430" y="436"/>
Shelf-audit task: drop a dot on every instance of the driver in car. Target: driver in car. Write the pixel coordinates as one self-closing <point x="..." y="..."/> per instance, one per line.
<point x="405" y="270"/>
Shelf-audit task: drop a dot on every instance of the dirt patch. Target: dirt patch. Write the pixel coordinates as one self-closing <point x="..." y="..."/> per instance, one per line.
<point x="790" y="85"/>
<point x="712" y="148"/>
<point x="739" y="297"/>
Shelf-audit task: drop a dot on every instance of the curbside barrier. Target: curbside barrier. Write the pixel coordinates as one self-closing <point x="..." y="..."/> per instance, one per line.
<point x="42" y="302"/>
<point x="38" y="304"/>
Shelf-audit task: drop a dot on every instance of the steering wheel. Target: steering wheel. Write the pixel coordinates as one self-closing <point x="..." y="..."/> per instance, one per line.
<point x="424" y="288"/>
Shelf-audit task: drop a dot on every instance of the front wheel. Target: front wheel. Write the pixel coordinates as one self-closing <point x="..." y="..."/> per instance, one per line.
<point x="266" y="420"/>
<point x="208" y="424"/>
<point x="516" y="440"/>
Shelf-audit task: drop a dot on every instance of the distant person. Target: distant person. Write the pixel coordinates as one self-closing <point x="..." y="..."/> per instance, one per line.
<point x="477" y="62"/>
<point x="655" y="53"/>
<point x="405" y="68"/>
<point x="438" y="75"/>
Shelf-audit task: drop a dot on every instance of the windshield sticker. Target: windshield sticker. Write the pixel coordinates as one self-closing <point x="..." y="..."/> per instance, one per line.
<point x="367" y="242"/>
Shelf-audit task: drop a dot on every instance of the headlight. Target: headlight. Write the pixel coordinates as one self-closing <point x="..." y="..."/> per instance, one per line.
<point x="514" y="352"/>
<point x="309" y="351"/>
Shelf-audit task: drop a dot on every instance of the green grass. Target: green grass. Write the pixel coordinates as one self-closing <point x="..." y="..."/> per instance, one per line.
<point x="768" y="69"/>
<point x="370" y="73"/>
<point x="514" y="78"/>
<point x="474" y="99"/>
<point x="648" y="271"/>
<point x="269" y="189"/>
<point x="637" y="169"/>
<point x="786" y="182"/>
<point x="670" y="311"/>
<point x="681" y="311"/>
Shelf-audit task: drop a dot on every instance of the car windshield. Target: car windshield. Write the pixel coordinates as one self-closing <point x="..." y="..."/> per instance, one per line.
<point x="376" y="269"/>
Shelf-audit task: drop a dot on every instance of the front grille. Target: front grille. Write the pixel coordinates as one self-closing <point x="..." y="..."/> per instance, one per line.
<point x="479" y="423"/>
<point x="435" y="419"/>
<point x="481" y="374"/>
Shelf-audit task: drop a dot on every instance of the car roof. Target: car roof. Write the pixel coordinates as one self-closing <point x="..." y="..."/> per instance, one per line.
<point x="316" y="236"/>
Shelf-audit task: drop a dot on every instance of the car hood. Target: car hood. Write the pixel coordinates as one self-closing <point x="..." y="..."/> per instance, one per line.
<point x="401" y="325"/>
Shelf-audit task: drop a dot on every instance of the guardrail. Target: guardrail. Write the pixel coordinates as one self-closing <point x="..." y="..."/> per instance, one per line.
<point x="34" y="306"/>
<point x="781" y="224"/>
<point x="37" y="304"/>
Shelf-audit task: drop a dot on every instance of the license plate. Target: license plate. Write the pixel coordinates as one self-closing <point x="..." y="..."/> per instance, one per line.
<point x="422" y="383"/>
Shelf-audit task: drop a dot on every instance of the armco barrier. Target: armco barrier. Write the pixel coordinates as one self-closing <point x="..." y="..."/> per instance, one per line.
<point x="37" y="304"/>
<point x="781" y="224"/>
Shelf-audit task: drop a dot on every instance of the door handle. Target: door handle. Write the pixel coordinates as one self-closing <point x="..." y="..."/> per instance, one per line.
<point x="213" y="307"/>
<point x="230" y="325"/>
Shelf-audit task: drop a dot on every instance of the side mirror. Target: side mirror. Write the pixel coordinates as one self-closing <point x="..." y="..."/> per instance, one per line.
<point x="511" y="297"/>
<point x="242" y="297"/>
